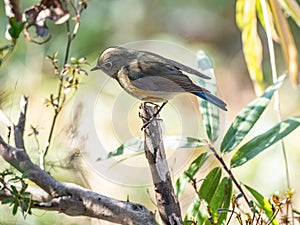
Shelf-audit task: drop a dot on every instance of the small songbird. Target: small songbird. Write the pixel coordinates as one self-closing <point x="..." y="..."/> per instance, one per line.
<point x="151" y="77"/>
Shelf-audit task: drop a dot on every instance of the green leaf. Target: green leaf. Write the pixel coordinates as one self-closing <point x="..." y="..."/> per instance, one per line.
<point x="263" y="204"/>
<point x="210" y="184"/>
<point x="221" y="200"/>
<point x="196" y="212"/>
<point x="252" y="47"/>
<point x="15" y="208"/>
<point x="189" y="174"/>
<point x="135" y="145"/>
<point x="245" y="120"/>
<point x="210" y="113"/>
<point x="14" y="190"/>
<point x="7" y="200"/>
<point x="263" y="141"/>
<point x="15" y="28"/>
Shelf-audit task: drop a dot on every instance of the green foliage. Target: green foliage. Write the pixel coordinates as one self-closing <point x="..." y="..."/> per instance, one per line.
<point x="137" y="145"/>
<point x="19" y="197"/>
<point x="263" y="204"/>
<point x="263" y="141"/>
<point x="210" y="184"/>
<point x="189" y="174"/>
<point x="16" y="27"/>
<point x="213" y="195"/>
<point x="221" y="200"/>
<point x="246" y="119"/>
<point x="210" y="113"/>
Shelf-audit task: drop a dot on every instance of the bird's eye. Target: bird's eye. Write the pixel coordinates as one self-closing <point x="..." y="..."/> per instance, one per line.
<point x="107" y="65"/>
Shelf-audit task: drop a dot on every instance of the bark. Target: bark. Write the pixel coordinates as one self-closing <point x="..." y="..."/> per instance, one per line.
<point x="167" y="203"/>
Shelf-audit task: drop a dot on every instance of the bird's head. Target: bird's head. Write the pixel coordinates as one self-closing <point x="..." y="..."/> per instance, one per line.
<point x="112" y="60"/>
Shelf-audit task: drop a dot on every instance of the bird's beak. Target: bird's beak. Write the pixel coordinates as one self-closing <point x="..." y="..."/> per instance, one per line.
<point x="96" y="68"/>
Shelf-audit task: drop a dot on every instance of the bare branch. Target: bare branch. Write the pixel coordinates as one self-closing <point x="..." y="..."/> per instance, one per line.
<point x="19" y="128"/>
<point x="72" y="199"/>
<point x="167" y="203"/>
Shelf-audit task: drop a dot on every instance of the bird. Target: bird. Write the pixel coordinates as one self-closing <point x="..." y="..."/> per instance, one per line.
<point x="150" y="77"/>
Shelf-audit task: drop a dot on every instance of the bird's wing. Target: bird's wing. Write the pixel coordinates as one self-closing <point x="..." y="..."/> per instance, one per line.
<point x="178" y="65"/>
<point x="158" y="76"/>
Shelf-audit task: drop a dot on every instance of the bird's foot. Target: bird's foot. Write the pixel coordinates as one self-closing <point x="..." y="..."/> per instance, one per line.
<point x="155" y="115"/>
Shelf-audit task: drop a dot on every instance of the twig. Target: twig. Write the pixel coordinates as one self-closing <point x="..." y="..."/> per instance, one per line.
<point x="219" y="158"/>
<point x="60" y="98"/>
<point x="168" y="205"/>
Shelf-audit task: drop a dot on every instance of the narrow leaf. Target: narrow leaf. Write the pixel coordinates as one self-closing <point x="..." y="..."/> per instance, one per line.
<point x="221" y="200"/>
<point x="135" y="145"/>
<point x="270" y="18"/>
<point x="263" y="204"/>
<point x="189" y="174"/>
<point x="263" y="141"/>
<point x="15" y="28"/>
<point x="287" y="43"/>
<point x="292" y="8"/>
<point x="210" y="113"/>
<point x="252" y="47"/>
<point x="246" y="119"/>
<point x="7" y="200"/>
<point x="196" y="212"/>
<point x="15" y="208"/>
<point x="210" y="184"/>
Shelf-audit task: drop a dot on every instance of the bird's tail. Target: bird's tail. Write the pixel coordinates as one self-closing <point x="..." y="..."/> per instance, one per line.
<point x="212" y="99"/>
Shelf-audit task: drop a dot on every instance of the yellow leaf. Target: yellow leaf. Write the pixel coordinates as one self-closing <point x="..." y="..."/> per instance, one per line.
<point x="286" y="41"/>
<point x="252" y="47"/>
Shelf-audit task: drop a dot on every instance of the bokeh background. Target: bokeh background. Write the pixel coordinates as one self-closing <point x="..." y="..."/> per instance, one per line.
<point x="208" y="25"/>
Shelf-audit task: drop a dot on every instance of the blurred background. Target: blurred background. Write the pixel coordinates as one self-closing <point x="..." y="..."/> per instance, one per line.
<point x="189" y="26"/>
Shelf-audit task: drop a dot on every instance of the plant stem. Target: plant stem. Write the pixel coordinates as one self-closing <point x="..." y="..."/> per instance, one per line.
<point x="276" y="94"/>
<point x="219" y="158"/>
<point x="60" y="99"/>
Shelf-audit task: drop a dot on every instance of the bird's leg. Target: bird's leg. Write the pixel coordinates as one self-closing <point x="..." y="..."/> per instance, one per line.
<point x="160" y="108"/>
<point x="154" y="115"/>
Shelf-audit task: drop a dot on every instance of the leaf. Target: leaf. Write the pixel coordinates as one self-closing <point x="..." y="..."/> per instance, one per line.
<point x="246" y="119"/>
<point x="263" y="203"/>
<point x="210" y="113"/>
<point x="263" y="141"/>
<point x="221" y="200"/>
<point x="252" y="47"/>
<point x="270" y="17"/>
<point x="210" y="184"/>
<point x="15" y="28"/>
<point x="135" y="145"/>
<point x="287" y="43"/>
<point x="196" y="212"/>
<point x="189" y="174"/>
<point x="7" y="200"/>
<point x="15" y="208"/>
<point x="292" y="8"/>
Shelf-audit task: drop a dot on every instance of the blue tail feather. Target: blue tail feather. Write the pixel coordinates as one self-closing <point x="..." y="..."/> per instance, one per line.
<point x="212" y="99"/>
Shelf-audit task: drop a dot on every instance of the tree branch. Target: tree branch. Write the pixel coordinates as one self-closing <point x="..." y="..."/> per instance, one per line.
<point x="167" y="203"/>
<point x="72" y="199"/>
